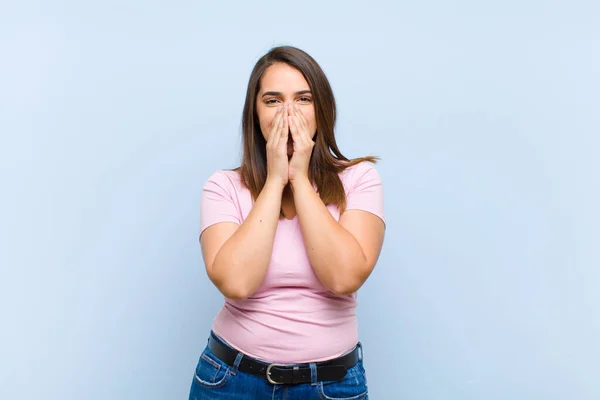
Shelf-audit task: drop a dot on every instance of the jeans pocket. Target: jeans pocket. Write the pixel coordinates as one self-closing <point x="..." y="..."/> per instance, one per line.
<point x="210" y="371"/>
<point x="352" y="387"/>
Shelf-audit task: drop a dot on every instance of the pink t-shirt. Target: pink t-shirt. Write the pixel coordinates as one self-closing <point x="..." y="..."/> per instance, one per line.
<point x="292" y="317"/>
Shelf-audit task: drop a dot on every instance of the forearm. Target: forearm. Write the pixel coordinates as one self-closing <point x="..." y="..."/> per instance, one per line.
<point x="241" y="264"/>
<point x="334" y="253"/>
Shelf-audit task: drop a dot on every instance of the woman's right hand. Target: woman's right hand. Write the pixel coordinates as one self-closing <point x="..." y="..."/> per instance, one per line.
<point x="277" y="159"/>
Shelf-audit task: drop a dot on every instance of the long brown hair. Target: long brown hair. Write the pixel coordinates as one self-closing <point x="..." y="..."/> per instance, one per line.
<point x="326" y="161"/>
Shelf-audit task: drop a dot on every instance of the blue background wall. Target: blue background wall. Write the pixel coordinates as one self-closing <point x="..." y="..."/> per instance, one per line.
<point x="114" y="113"/>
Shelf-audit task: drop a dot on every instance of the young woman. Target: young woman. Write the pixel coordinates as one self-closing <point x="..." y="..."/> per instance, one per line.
<point x="288" y="238"/>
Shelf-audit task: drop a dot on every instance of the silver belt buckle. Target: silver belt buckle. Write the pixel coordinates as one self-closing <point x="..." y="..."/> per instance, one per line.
<point x="271" y="381"/>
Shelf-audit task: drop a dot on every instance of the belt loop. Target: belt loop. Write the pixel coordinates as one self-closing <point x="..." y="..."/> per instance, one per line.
<point x="360" y="351"/>
<point x="236" y="363"/>
<point x="313" y="374"/>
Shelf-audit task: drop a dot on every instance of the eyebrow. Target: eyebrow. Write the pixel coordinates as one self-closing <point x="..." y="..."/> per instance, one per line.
<point x="275" y="93"/>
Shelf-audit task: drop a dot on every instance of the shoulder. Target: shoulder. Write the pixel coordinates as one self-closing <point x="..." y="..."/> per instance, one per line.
<point x="225" y="184"/>
<point x="230" y="179"/>
<point x="361" y="172"/>
<point x="221" y="199"/>
<point x="364" y="189"/>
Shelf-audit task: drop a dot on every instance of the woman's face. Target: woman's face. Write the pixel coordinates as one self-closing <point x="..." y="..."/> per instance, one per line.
<point x="282" y="84"/>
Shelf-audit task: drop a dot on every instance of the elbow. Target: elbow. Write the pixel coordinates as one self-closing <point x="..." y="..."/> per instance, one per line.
<point x="237" y="296"/>
<point x="349" y="281"/>
<point x="344" y="291"/>
<point x="231" y="287"/>
<point x="345" y="287"/>
<point x="234" y="292"/>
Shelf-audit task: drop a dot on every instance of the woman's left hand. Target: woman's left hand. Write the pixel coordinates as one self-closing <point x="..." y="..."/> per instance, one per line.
<point x="303" y="145"/>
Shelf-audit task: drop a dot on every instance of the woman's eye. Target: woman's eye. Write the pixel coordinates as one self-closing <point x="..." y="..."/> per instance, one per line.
<point x="271" y="101"/>
<point x="305" y="99"/>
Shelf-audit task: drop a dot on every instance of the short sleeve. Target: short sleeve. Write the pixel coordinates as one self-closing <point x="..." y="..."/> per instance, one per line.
<point x="218" y="204"/>
<point x="366" y="190"/>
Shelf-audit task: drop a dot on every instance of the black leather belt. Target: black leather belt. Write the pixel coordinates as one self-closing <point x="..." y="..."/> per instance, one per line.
<point x="289" y="374"/>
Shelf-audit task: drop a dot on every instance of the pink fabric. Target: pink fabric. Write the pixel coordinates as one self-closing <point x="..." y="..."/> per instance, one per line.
<point x="292" y="318"/>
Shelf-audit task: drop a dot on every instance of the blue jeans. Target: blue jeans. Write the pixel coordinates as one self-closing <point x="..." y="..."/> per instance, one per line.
<point x="215" y="380"/>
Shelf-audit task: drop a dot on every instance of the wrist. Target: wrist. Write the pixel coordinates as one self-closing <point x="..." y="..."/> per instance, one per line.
<point x="274" y="185"/>
<point x="300" y="181"/>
